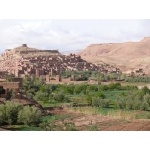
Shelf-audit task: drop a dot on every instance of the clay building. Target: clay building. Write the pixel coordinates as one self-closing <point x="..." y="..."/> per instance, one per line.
<point x="24" y="61"/>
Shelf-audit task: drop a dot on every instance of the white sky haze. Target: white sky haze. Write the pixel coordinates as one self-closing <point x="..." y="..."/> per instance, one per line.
<point x="71" y="34"/>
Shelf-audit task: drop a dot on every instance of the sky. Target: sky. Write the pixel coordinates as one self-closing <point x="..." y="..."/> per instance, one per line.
<point x="70" y="34"/>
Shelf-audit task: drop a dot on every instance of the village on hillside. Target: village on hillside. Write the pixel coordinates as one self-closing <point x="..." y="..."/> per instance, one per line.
<point x="46" y="83"/>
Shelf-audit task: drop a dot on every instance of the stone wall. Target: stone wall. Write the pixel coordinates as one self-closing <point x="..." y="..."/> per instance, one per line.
<point x="67" y="80"/>
<point x="10" y="85"/>
<point x="14" y="79"/>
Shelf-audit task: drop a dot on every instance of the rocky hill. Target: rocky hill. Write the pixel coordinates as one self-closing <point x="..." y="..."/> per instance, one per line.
<point x="22" y="61"/>
<point x="127" y="56"/>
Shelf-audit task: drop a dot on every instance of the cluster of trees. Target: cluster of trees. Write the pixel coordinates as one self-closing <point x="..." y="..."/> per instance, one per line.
<point x="96" y="75"/>
<point x="93" y="94"/>
<point x="12" y="113"/>
<point x="135" y="100"/>
<point x="31" y="86"/>
<point x="79" y="75"/>
<point x="87" y="88"/>
<point x="46" y="93"/>
<point x="137" y="79"/>
<point x="36" y="89"/>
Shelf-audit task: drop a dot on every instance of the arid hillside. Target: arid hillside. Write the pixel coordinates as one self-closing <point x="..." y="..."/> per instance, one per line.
<point x="126" y="56"/>
<point x="23" y="60"/>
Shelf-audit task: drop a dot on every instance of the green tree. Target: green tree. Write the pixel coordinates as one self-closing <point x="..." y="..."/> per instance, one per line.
<point x="9" y="113"/>
<point x="61" y="97"/>
<point x="98" y="102"/>
<point x="145" y="90"/>
<point x="147" y="98"/>
<point x="144" y="106"/>
<point x="29" y="115"/>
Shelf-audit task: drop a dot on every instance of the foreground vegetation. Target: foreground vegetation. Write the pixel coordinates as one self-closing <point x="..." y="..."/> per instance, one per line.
<point x="13" y="113"/>
<point x="113" y="100"/>
<point x="25" y="118"/>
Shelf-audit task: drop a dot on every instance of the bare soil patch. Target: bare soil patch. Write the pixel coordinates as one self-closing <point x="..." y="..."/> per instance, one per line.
<point x="104" y="123"/>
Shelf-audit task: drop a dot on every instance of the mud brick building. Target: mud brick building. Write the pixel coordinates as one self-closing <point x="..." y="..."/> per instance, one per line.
<point x="24" y="61"/>
<point x="14" y="84"/>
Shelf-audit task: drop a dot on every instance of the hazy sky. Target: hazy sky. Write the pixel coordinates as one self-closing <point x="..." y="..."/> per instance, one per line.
<point x="67" y="35"/>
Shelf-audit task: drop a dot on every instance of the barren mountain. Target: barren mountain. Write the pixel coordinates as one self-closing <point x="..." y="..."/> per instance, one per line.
<point x="126" y="56"/>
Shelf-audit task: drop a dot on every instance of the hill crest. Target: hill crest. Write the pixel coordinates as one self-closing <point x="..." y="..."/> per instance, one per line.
<point x="126" y="56"/>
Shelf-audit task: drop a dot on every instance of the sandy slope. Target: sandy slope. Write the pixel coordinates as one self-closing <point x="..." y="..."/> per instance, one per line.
<point x="127" y="55"/>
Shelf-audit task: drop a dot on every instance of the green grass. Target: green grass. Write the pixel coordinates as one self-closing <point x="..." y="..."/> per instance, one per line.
<point x="55" y="117"/>
<point x="143" y="115"/>
<point x="49" y="104"/>
<point x="112" y="94"/>
<point x="22" y="128"/>
<point x="75" y="95"/>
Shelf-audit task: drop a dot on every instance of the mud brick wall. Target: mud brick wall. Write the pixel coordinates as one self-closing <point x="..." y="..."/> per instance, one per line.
<point x="67" y="80"/>
<point x="17" y="80"/>
<point x="10" y="85"/>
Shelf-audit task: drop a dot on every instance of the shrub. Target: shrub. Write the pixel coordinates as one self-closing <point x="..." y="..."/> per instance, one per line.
<point x="69" y="89"/>
<point x="29" y="115"/>
<point x="137" y="105"/>
<point x="93" y="128"/>
<point x="116" y="104"/>
<point x="39" y="96"/>
<point x="89" y="99"/>
<point x="103" y="87"/>
<point x="60" y="97"/>
<point x="115" y="86"/>
<point x="92" y="88"/>
<point x="50" y="126"/>
<point x="144" y="106"/>
<point x="145" y="90"/>
<point x="78" y="89"/>
<point x="2" y="119"/>
<point x="100" y="95"/>
<point x="148" y="116"/>
<point x="129" y="104"/>
<point x="98" y="102"/>
<point x="69" y="126"/>
<point x="9" y="113"/>
<point x="147" y="98"/>
<point x="121" y="104"/>
<point x="53" y="126"/>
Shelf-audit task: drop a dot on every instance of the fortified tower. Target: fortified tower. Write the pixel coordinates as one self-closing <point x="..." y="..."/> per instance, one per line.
<point x="24" y="45"/>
